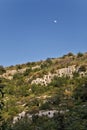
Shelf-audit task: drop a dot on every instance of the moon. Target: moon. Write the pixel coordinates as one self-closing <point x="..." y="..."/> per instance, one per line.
<point x="55" y="21"/>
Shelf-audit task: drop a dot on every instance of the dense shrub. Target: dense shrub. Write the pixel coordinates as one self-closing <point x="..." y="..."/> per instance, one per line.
<point x="49" y="61"/>
<point x="80" y="92"/>
<point x="79" y="54"/>
<point x="2" y="70"/>
<point x="17" y="76"/>
<point x="45" y="106"/>
<point x="1" y="104"/>
<point x="82" y="68"/>
<point x="59" y="81"/>
<point x="27" y="72"/>
<point x="70" y="54"/>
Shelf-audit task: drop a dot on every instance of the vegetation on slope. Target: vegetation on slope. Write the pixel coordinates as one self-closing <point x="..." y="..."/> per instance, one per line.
<point x="65" y="94"/>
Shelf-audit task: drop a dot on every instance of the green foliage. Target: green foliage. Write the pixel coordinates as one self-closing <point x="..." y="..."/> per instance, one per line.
<point x="44" y="65"/>
<point x="49" y="61"/>
<point x="2" y="70"/>
<point x="81" y="92"/>
<point x="18" y="67"/>
<point x="38" y="89"/>
<point x="75" y="74"/>
<point x="66" y="95"/>
<point x="59" y="81"/>
<point x="27" y="72"/>
<point x="70" y="54"/>
<point x="17" y="76"/>
<point x="23" y="124"/>
<point x="1" y="96"/>
<point x="56" y="99"/>
<point x="79" y="55"/>
<point x="45" y="106"/>
<point x="1" y="103"/>
<point x="82" y="68"/>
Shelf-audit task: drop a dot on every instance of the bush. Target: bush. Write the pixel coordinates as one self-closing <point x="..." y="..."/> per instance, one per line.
<point x="26" y="73"/>
<point x="2" y="70"/>
<point x="75" y="74"/>
<point x="59" y="81"/>
<point x="70" y="54"/>
<point x="44" y="65"/>
<point x="1" y="104"/>
<point x="45" y="106"/>
<point x="49" y="61"/>
<point x="17" y="76"/>
<point x="81" y="92"/>
<point x="79" y="54"/>
<point x="82" y="68"/>
<point x="18" y="67"/>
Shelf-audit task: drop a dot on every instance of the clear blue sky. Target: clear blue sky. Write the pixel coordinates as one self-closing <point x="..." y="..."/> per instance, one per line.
<point x="32" y="30"/>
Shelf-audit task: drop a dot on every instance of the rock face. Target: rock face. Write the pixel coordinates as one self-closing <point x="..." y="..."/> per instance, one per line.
<point x="43" y="81"/>
<point x="49" y="113"/>
<point x="66" y="71"/>
<point x="9" y="73"/>
<point x="60" y="72"/>
<point x="20" y="116"/>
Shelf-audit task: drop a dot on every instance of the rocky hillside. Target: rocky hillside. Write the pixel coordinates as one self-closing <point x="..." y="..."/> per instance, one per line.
<point x="66" y="65"/>
<point x="48" y="91"/>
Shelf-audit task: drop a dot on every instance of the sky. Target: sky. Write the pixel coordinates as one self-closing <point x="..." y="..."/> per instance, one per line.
<point x="33" y="30"/>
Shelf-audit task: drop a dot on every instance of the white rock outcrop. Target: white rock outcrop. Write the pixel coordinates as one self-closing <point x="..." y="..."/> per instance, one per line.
<point x="49" y="113"/>
<point x="60" y="72"/>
